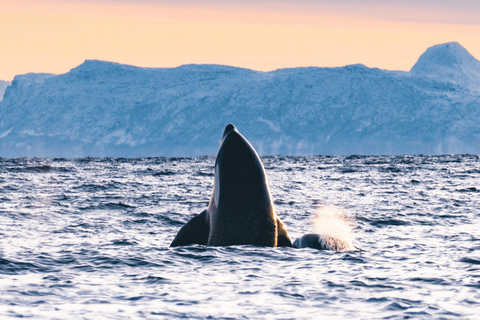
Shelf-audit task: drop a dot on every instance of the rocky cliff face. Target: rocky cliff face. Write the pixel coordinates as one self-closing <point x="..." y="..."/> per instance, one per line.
<point x="108" y="109"/>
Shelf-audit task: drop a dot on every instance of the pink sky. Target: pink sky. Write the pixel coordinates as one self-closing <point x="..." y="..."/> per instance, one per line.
<point x="55" y="36"/>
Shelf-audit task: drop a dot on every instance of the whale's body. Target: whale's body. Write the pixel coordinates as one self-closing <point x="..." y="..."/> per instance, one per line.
<point x="240" y="211"/>
<point x="311" y="240"/>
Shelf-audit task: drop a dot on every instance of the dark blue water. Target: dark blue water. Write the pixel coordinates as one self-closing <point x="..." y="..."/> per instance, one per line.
<point x="88" y="239"/>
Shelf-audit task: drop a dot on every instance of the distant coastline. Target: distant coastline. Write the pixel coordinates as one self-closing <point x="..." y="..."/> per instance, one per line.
<point x="108" y="109"/>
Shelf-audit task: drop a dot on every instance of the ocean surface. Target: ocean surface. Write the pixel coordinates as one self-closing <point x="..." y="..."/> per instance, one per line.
<point x="89" y="239"/>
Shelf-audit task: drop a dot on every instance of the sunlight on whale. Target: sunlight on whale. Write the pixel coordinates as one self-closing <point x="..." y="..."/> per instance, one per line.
<point x="241" y="209"/>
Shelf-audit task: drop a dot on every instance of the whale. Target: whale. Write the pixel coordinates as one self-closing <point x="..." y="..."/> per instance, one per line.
<point x="324" y="242"/>
<point x="310" y="240"/>
<point x="240" y="210"/>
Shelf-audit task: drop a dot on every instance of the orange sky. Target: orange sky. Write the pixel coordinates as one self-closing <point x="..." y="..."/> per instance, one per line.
<point x="55" y="36"/>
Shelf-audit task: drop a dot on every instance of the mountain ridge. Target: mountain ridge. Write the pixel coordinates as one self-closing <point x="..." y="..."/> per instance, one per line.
<point x="108" y="109"/>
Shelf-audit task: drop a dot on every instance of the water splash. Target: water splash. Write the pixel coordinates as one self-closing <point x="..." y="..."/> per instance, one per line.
<point x="334" y="228"/>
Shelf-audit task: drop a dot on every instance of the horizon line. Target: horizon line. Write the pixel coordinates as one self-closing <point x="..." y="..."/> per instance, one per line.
<point x="230" y="66"/>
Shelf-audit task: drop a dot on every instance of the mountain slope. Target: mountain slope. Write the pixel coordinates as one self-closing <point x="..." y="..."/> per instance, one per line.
<point x="3" y="86"/>
<point x="108" y="109"/>
<point x="449" y="61"/>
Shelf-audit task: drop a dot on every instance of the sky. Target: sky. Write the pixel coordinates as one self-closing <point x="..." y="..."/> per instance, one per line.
<point x="54" y="36"/>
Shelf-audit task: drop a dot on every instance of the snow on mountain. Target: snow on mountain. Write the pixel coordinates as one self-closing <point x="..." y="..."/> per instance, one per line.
<point x="3" y="86"/>
<point x="449" y="61"/>
<point x="108" y="109"/>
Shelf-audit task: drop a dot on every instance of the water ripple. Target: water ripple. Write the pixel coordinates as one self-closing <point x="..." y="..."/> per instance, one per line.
<point x="88" y="238"/>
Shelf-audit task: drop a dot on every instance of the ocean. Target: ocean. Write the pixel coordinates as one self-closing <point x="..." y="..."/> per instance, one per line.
<point x="89" y="239"/>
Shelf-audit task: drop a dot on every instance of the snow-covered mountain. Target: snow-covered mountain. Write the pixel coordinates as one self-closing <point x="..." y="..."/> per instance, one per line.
<point x="3" y="86"/>
<point x="108" y="109"/>
<point x="450" y="61"/>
